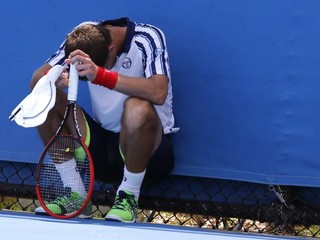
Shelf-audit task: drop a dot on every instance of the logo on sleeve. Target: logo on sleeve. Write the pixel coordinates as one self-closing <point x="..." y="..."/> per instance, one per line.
<point x="127" y="63"/>
<point x="159" y="51"/>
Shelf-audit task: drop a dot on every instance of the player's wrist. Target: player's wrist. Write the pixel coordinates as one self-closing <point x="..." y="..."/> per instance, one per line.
<point x="106" y="78"/>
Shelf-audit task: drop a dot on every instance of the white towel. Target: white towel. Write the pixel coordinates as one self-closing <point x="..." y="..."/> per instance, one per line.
<point x="32" y="111"/>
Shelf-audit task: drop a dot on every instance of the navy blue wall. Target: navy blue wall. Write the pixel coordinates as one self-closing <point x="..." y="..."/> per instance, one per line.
<point x="245" y="74"/>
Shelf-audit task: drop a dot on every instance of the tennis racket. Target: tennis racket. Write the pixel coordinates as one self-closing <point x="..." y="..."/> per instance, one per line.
<point x="65" y="173"/>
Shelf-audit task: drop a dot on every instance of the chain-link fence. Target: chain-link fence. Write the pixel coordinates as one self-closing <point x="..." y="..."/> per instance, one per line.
<point x="192" y="201"/>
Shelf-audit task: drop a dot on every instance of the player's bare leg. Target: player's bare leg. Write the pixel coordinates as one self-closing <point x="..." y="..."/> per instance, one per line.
<point x="141" y="133"/>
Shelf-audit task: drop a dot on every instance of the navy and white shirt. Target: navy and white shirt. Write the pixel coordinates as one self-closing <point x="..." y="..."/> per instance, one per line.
<point x="144" y="55"/>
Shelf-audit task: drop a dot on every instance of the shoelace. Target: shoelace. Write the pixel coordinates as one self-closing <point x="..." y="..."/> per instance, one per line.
<point x="68" y="203"/>
<point x="60" y="200"/>
<point x="125" y="201"/>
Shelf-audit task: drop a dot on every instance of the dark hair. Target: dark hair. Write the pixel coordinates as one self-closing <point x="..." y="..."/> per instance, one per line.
<point x="94" y="40"/>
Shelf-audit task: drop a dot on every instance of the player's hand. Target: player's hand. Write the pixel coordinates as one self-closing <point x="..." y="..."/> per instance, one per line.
<point x="63" y="81"/>
<point x="85" y="66"/>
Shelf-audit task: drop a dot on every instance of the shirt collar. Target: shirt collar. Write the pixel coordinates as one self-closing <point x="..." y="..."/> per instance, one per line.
<point x="122" y="22"/>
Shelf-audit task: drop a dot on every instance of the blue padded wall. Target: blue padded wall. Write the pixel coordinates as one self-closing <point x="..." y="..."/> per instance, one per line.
<point x="245" y="75"/>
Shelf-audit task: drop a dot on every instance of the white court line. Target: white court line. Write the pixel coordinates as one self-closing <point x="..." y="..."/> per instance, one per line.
<point x="19" y="226"/>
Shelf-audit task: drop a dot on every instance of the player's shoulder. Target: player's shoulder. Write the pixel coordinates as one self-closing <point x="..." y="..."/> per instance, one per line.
<point x="148" y="31"/>
<point x="146" y="27"/>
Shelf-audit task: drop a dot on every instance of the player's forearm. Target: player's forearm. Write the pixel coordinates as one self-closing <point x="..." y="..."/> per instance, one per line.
<point x="153" y="89"/>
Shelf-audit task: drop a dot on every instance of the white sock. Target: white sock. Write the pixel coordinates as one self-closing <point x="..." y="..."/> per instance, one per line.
<point x="71" y="177"/>
<point x="131" y="182"/>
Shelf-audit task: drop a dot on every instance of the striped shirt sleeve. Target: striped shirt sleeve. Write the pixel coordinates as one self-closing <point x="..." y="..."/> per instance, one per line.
<point x="152" y="44"/>
<point x="58" y="57"/>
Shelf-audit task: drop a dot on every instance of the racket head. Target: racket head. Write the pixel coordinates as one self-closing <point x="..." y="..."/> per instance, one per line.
<point x="70" y="150"/>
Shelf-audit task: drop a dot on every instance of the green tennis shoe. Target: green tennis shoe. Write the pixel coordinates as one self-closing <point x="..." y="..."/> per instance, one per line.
<point x="67" y="205"/>
<point x="124" y="209"/>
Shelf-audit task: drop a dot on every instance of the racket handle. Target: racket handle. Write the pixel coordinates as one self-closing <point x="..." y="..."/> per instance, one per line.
<point x="73" y="83"/>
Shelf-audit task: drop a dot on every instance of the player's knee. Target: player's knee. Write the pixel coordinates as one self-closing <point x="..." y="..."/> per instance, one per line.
<point x="138" y="113"/>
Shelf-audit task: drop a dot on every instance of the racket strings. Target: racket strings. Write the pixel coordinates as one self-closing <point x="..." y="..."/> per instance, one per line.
<point x="63" y="150"/>
<point x="65" y="170"/>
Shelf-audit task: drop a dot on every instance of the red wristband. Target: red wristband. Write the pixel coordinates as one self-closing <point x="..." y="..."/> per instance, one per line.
<point x="106" y="78"/>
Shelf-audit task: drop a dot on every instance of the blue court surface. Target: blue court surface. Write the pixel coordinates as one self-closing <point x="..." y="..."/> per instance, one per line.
<point x="21" y="225"/>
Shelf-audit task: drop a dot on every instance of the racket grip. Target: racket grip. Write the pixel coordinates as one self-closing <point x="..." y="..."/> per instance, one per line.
<point x="73" y="83"/>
